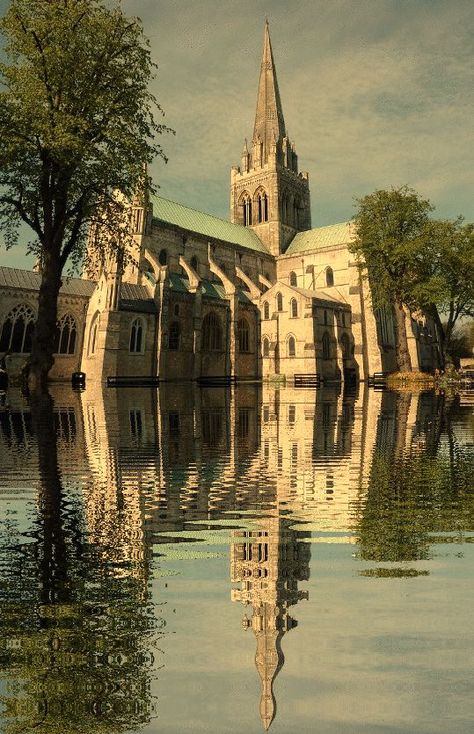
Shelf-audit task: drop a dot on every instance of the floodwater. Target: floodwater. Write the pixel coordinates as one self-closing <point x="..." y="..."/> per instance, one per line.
<point x="234" y="560"/>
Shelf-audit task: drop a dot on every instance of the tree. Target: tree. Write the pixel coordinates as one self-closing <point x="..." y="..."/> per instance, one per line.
<point x="76" y="629"/>
<point x="443" y="279"/>
<point x="77" y="125"/>
<point x="389" y="225"/>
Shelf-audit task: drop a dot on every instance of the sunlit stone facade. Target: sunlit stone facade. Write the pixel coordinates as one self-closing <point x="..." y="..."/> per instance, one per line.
<point x="260" y="296"/>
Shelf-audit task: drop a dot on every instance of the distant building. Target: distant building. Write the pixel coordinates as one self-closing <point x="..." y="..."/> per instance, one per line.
<point x="262" y="295"/>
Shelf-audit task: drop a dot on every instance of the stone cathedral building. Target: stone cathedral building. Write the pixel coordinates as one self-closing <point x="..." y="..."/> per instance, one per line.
<point x="262" y="295"/>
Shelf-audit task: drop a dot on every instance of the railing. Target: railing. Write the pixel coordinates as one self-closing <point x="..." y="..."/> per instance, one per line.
<point x="307" y="380"/>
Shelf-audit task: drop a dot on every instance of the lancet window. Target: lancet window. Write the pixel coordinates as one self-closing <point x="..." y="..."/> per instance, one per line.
<point x="243" y="334"/>
<point x="211" y="333"/>
<point x="136" y="337"/>
<point x="246" y="204"/>
<point x="262" y="206"/>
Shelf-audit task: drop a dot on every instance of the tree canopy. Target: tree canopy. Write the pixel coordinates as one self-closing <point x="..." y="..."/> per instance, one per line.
<point x="415" y="263"/>
<point x="77" y="125"/>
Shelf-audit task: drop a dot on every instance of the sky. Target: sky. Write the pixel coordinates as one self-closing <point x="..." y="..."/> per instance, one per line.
<point x="375" y="93"/>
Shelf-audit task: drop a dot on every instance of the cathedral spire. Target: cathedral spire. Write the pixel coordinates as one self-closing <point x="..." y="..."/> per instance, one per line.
<point x="269" y="122"/>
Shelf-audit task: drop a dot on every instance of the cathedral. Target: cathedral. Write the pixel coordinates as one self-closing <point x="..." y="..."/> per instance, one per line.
<point x="261" y="296"/>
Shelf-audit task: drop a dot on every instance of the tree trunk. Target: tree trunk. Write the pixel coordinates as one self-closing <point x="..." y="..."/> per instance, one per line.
<point x="53" y="569"/>
<point x="42" y="359"/>
<point x="401" y="340"/>
<point x="440" y="337"/>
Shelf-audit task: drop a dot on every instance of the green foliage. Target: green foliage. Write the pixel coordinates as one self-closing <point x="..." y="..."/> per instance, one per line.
<point x="389" y="227"/>
<point x="76" y="120"/>
<point x="424" y="264"/>
<point x="444" y="268"/>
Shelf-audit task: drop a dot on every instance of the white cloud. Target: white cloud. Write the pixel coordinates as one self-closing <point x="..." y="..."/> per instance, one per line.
<point x="374" y="93"/>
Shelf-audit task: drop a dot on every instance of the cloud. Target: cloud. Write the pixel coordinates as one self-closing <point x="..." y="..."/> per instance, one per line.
<point x="374" y="93"/>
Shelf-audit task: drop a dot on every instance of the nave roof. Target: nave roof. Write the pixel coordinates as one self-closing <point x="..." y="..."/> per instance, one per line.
<point x="208" y="225"/>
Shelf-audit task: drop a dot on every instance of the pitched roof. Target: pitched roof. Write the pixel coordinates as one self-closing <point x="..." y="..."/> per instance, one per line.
<point x="321" y="237"/>
<point x="135" y="297"/>
<point x="30" y="280"/>
<point x="205" y="224"/>
<point x="210" y="289"/>
<point x="319" y="295"/>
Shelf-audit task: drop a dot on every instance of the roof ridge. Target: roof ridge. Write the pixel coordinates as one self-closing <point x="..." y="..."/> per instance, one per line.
<point x="325" y="226"/>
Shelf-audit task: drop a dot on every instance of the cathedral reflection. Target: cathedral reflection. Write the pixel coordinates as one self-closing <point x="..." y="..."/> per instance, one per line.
<point x="268" y="563"/>
<point x="128" y="466"/>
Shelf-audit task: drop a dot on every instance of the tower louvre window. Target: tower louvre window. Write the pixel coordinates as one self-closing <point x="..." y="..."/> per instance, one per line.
<point x="293" y="279"/>
<point x="262" y="207"/>
<point x="246" y="206"/>
<point x="266" y="347"/>
<point x="279" y="302"/>
<point x="266" y="310"/>
<point x="294" y="308"/>
<point x="329" y="277"/>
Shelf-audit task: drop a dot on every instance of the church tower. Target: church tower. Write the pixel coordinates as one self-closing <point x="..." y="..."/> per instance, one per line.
<point x="267" y="192"/>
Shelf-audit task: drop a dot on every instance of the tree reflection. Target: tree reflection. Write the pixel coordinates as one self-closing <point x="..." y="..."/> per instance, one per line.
<point x="419" y="485"/>
<point x="74" y="634"/>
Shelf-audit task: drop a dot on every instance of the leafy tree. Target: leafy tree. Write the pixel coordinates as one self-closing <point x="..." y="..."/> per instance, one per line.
<point x="389" y="225"/>
<point x="443" y="279"/>
<point x="77" y="125"/>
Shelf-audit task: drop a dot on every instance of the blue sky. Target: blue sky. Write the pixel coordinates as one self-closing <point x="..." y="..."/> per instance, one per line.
<point x="375" y="93"/>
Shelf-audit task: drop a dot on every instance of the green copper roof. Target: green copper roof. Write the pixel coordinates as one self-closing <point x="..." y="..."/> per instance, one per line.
<point x="209" y="289"/>
<point x="205" y="224"/>
<point x="316" y="239"/>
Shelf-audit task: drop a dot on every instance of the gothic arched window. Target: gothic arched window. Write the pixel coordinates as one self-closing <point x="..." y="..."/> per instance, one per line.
<point x="266" y="310"/>
<point x="136" y="337"/>
<point x="262" y="206"/>
<point x="294" y="308"/>
<point x="266" y="347"/>
<point x="211" y="333"/>
<point x="243" y="334"/>
<point x="173" y="336"/>
<point x="346" y="346"/>
<point x="291" y="346"/>
<point x="246" y="206"/>
<point x="293" y="280"/>
<point x="326" y="346"/>
<point x="94" y="328"/>
<point x="329" y="277"/>
<point x="66" y="332"/>
<point x="17" y="330"/>
<point x="163" y="257"/>
<point x="279" y="302"/>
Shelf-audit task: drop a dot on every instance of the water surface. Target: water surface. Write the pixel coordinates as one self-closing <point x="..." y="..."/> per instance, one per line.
<point x="212" y="560"/>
